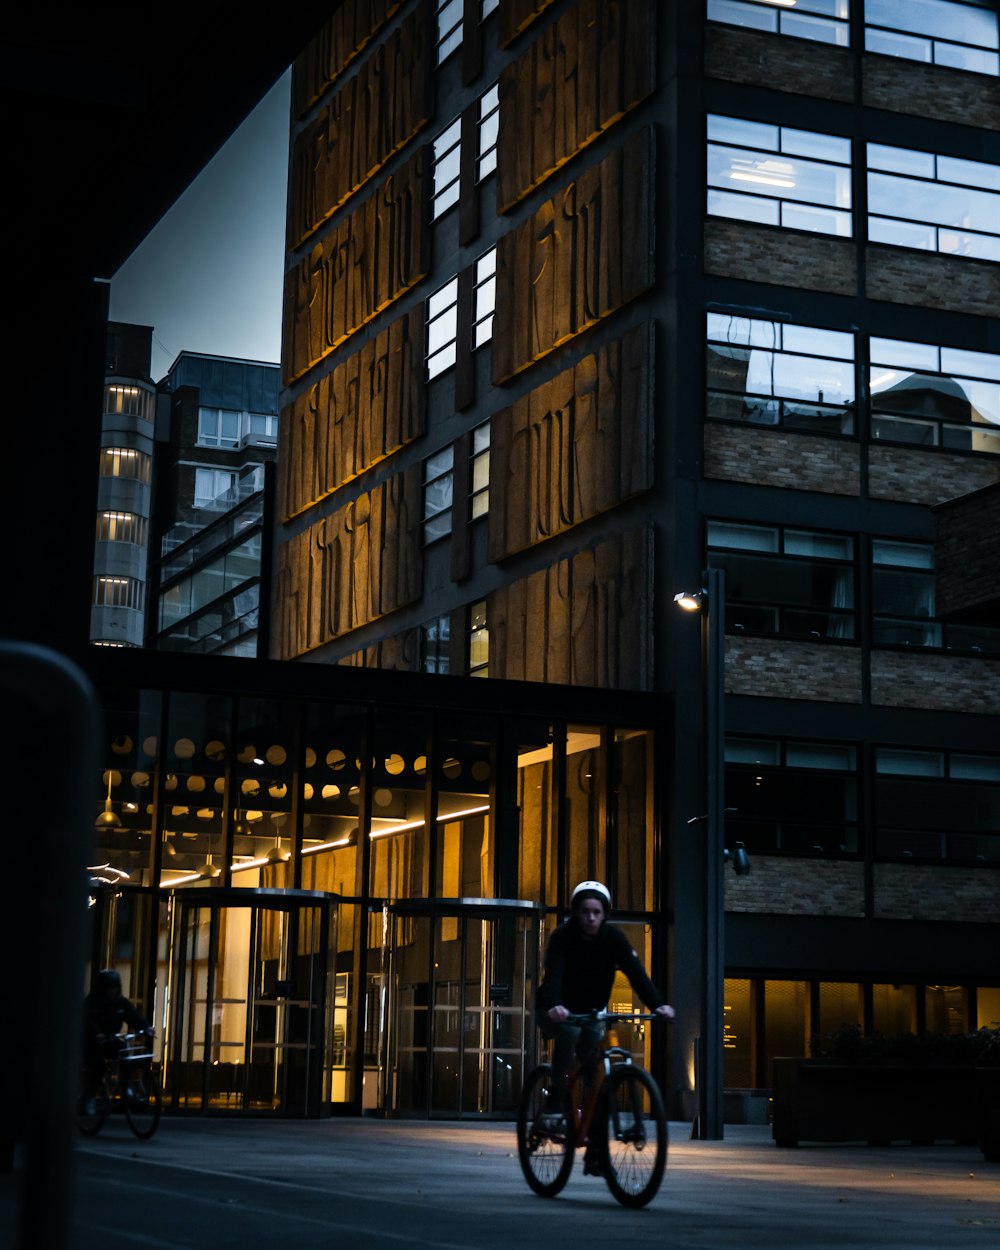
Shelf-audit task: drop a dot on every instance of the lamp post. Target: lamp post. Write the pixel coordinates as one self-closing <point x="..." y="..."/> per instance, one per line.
<point x="710" y="600"/>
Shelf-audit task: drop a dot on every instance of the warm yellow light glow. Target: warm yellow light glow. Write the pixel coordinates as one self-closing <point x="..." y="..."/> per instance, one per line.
<point x="689" y="600"/>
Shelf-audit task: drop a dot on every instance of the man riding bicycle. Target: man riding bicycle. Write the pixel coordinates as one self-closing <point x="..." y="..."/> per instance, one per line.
<point x="106" y="1011"/>
<point x="581" y="959"/>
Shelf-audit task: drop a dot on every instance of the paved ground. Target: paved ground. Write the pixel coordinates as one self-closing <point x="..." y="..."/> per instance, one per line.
<point x="372" y="1184"/>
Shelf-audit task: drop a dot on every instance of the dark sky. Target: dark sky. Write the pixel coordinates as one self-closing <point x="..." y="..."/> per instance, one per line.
<point x="208" y="277"/>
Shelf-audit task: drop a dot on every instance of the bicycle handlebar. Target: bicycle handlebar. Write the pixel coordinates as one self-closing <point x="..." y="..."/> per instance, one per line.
<point x="588" y="1017"/>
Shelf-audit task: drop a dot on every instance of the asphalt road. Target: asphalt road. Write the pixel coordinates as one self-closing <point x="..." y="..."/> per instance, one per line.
<point x="373" y="1184"/>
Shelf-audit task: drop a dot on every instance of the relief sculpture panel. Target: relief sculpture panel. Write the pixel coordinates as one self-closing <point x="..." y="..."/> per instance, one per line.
<point x="573" y="447"/>
<point x="367" y="407"/>
<point x="326" y="57"/>
<point x="573" y="82"/>
<point x="585" y="620"/>
<point x="517" y="15"/>
<point x="351" y="567"/>
<point x="366" y="260"/>
<point x="369" y="118"/>
<point x="583" y="254"/>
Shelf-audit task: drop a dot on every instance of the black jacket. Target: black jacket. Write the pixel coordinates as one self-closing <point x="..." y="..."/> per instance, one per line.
<point x="108" y="1015"/>
<point x="580" y="971"/>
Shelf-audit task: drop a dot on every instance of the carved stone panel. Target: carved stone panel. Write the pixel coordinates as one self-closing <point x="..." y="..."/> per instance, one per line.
<point x="573" y="447"/>
<point x="364" y="262"/>
<point x="325" y="58"/>
<point x="369" y="118"/>
<point x="583" y="621"/>
<point x="517" y="15"/>
<point x="574" y="81"/>
<point x="367" y="407"/>
<point x="349" y="568"/>
<point x="584" y="253"/>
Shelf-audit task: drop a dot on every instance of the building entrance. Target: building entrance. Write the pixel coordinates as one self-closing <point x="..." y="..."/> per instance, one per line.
<point x="250" y="979"/>
<point x="460" y="976"/>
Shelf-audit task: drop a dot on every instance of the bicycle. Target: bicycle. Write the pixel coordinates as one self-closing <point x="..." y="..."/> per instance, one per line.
<point x="621" y="1114"/>
<point x="129" y="1079"/>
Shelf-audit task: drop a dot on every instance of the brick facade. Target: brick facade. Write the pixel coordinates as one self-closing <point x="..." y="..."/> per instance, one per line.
<point x="936" y="892"/>
<point x="778" y="63"/>
<point x="799" y="887"/>
<point x="930" y="280"/>
<point x="773" y="668"/>
<point x="739" y="249"/>
<point x="967" y="535"/>
<point x="786" y="458"/>
<point x="937" y="91"/>
<point x="946" y="683"/>
<point x="912" y="475"/>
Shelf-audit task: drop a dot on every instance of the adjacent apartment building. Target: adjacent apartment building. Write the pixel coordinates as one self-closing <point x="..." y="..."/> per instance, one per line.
<point x="586" y="297"/>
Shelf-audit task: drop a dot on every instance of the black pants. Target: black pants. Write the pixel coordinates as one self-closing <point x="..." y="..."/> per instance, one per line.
<point x="570" y="1039"/>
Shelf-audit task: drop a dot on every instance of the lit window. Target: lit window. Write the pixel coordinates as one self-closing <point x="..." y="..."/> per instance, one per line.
<point x="935" y="396"/>
<point x="447" y="168"/>
<point x="795" y="583"/>
<point x="449" y="27"/>
<point x="484" y="298"/>
<point x="479" y="641"/>
<point x="442" y="328"/>
<point x="438" y="484"/>
<point x="778" y="176"/>
<point x="935" y="203"/>
<point x="210" y="484"/>
<point x="486" y="7"/>
<point x="964" y="36"/>
<point x="119" y="592"/>
<point x="487" y="129"/>
<point x="479" y="476"/>
<point x="434" y="639"/>
<point x="218" y="427"/>
<point x="124" y="399"/>
<point x="825" y="21"/>
<point x="770" y="373"/>
<point x="792" y="798"/>
<point x="125" y="462"/>
<point x="121" y="527"/>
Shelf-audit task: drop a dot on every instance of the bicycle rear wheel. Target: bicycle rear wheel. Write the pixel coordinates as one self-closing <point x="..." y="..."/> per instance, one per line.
<point x="92" y="1112"/>
<point x="635" y="1145"/>
<point x="546" y="1156"/>
<point x="141" y="1098"/>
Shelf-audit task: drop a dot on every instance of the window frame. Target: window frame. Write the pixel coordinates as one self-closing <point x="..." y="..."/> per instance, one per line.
<point x="484" y="298"/>
<point x="439" y="474"/>
<point x="792" y="24"/>
<point x="479" y="454"/>
<point x="907" y="35"/>
<point x="444" y="313"/>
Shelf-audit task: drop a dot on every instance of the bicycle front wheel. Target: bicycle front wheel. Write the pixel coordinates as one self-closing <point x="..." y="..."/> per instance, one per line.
<point x="544" y="1149"/>
<point x="635" y="1147"/>
<point x="141" y="1097"/>
<point x="92" y="1112"/>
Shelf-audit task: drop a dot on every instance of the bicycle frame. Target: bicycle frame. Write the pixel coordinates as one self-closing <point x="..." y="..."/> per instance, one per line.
<point x="605" y="1057"/>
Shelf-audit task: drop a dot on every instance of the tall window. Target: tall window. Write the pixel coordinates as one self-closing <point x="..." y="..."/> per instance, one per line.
<point x="218" y="427"/>
<point x="435" y="637"/>
<point x="125" y="462"/>
<point x="121" y="527"/>
<point x="209" y="484"/>
<point x="119" y="592"/>
<point x="487" y="129"/>
<point x="903" y="604"/>
<point x="442" y="328"/>
<point x="447" y="168"/>
<point x="782" y="580"/>
<point x="772" y="373"/>
<point x="484" y="298"/>
<point x="798" y="179"/>
<point x="935" y="396"/>
<point x="438" y="486"/>
<point x="937" y="804"/>
<point x="964" y="36"/>
<point x="823" y="20"/>
<point x="792" y="798"/>
<point x="263" y="426"/>
<point x="479" y="476"/>
<point x="935" y="203"/>
<point x="449" y="27"/>
<point x="479" y="641"/>
<point x="129" y="400"/>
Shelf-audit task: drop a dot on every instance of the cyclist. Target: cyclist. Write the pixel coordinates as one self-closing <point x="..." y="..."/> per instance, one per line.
<point x="581" y="959"/>
<point x="106" y="1010"/>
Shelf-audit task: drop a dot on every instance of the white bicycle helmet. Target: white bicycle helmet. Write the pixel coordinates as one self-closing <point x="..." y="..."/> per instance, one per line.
<point x="591" y="889"/>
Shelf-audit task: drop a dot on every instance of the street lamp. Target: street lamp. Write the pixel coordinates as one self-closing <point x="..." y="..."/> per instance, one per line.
<point x="710" y="600"/>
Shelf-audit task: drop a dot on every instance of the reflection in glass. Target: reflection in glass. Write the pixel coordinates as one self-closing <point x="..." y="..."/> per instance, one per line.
<point x="194" y="786"/>
<point x="397" y="779"/>
<point x="632" y="795"/>
<point x="963" y="36"/>
<point x="537" y="857"/>
<point x="894" y="1009"/>
<point x="824" y="21"/>
<point x="738" y="1037"/>
<point x="124" y="811"/>
<point x="586" y="804"/>
<point x="262" y="795"/>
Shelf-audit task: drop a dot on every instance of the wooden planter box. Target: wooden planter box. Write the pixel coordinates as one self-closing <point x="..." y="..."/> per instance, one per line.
<point x="815" y="1100"/>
